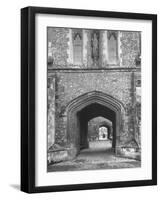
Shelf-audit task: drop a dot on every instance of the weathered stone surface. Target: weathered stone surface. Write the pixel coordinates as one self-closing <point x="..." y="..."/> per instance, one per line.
<point x="51" y="111"/>
<point x="71" y="85"/>
<point x="57" y="156"/>
<point x="59" y="45"/>
<point x="129" y="152"/>
<point x="130" y="47"/>
<point x="66" y="85"/>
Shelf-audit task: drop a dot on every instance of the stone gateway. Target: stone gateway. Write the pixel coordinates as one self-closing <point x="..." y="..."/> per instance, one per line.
<point x="94" y="81"/>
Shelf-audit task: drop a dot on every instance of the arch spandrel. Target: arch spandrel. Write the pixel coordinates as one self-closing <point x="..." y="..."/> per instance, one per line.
<point x="95" y="97"/>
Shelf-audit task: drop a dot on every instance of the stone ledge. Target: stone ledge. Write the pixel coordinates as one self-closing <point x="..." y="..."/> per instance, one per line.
<point x="129" y="152"/>
<point x="93" y="70"/>
<point x="56" y="156"/>
<point x="60" y="154"/>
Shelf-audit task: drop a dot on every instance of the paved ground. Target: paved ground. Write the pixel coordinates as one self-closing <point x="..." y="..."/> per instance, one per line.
<point x="98" y="156"/>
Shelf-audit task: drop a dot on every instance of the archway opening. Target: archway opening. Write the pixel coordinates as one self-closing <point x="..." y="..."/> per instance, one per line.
<point x="105" y="127"/>
<point x="86" y="107"/>
<point x="100" y="133"/>
<point x="103" y="133"/>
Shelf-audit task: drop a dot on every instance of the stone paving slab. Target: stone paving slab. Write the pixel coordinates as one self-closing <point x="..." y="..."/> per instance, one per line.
<point x="90" y="160"/>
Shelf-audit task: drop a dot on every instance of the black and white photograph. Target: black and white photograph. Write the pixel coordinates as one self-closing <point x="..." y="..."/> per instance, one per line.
<point x="93" y="99"/>
<point x="89" y="110"/>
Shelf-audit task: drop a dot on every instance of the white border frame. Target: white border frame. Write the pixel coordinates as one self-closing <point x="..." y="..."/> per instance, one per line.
<point x="91" y="176"/>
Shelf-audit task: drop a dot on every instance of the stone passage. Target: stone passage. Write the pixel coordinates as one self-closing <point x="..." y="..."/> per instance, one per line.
<point x="86" y="107"/>
<point x="100" y="128"/>
<point x="94" y="93"/>
<point x="98" y="156"/>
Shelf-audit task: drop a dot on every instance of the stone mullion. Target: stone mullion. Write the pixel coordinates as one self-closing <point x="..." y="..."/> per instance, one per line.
<point x="84" y="49"/>
<point x="89" y="58"/>
<point x="105" y="48"/>
<point x="51" y="112"/>
<point x="119" y="62"/>
<point x="134" y="106"/>
<point x="70" y="49"/>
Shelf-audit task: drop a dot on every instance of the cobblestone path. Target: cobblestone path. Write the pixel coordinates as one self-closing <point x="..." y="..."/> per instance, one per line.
<point x="98" y="156"/>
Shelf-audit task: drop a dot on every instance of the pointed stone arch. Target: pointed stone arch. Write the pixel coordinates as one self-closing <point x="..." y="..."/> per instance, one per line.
<point x="87" y="106"/>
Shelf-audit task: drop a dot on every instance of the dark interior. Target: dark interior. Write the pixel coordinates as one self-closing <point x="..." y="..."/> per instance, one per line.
<point x="89" y="112"/>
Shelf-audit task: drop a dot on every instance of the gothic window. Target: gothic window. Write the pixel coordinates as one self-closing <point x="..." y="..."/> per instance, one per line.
<point x="77" y="46"/>
<point x="112" y="47"/>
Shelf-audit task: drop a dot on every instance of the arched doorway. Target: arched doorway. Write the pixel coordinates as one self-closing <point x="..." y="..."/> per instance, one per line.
<point x="103" y="133"/>
<point x="89" y="112"/>
<point x="100" y="134"/>
<point x="86" y="107"/>
<point x="109" y="126"/>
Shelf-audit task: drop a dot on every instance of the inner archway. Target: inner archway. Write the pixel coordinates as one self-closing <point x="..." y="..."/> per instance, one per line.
<point x="99" y="135"/>
<point x="103" y="133"/>
<point x="91" y="111"/>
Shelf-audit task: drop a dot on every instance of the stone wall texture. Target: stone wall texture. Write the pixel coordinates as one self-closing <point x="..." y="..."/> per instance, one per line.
<point x="67" y="84"/>
<point x="59" y="45"/>
<point x="60" y="49"/>
<point x="70" y="85"/>
<point x="130" y="47"/>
